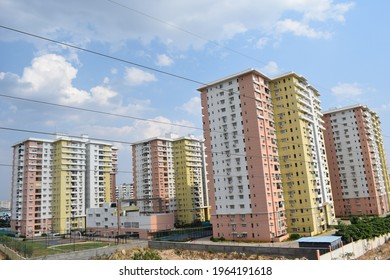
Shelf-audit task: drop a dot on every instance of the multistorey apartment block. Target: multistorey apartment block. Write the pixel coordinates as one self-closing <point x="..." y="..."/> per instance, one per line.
<point x="69" y="168"/>
<point x="303" y="162"/>
<point x="124" y="191"/>
<point x="168" y="177"/>
<point x="357" y="161"/>
<point x="153" y="175"/>
<point x="114" y="171"/>
<point x="54" y="181"/>
<point x="243" y="169"/>
<point x="191" y="196"/>
<point x="31" y="196"/>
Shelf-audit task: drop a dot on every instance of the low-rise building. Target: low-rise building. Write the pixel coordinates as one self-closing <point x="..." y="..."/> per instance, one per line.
<point x="105" y="221"/>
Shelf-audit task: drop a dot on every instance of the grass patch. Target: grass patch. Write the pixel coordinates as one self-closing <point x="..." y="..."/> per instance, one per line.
<point x="39" y="249"/>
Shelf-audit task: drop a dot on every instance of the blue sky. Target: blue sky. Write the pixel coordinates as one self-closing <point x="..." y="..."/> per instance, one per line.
<point x="341" y="47"/>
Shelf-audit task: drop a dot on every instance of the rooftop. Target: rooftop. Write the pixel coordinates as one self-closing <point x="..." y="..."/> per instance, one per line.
<point x="320" y="239"/>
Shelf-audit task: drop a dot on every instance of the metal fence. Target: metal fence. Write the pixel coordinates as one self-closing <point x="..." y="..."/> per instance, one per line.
<point x="183" y="234"/>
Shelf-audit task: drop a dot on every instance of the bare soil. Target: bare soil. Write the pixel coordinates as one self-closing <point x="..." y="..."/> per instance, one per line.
<point x="380" y="253"/>
<point x="2" y="256"/>
<point x="176" y="254"/>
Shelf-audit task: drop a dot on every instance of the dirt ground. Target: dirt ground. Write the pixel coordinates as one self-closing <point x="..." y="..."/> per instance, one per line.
<point x="176" y="254"/>
<point x="380" y="253"/>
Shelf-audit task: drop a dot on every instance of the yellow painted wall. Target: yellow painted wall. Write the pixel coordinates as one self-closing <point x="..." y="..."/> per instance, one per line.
<point x="295" y="161"/>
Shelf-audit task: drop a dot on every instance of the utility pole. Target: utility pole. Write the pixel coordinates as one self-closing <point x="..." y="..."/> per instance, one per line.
<point x="118" y="214"/>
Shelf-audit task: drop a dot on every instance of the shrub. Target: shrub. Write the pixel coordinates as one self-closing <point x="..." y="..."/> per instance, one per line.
<point x="146" y="255"/>
<point x="294" y="236"/>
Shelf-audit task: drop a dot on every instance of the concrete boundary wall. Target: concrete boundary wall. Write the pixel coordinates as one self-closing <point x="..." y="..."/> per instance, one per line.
<point x="356" y="249"/>
<point x="291" y="253"/>
<point x="10" y="253"/>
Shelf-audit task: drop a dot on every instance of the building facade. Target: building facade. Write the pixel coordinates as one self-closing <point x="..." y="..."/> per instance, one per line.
<point x="69" y="189"/>
<point x="243" y="169"/>
<point x="191" y="195"/>
<point x="357" y="161"/>
<point x="53" y="182"/>
<point x="302" y="153"/>
<point x="154" y="176"/>
<point x="103" y="221"/>
<point x="169" y="177"/>
<point x="114" y="171"/>
<point x="124" y="191"/>
<point x="32" y="187"/>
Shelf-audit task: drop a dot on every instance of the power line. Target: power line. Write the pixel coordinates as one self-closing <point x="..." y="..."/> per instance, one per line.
<point x="125" y="61"/>
<point x="184" y="30"/>
<point x="178" y="174"/>
<point x="178" y="149"/>
<point x="97" y="111"/>
<point x="278" y="162"/>
<point x="101" y="54"/>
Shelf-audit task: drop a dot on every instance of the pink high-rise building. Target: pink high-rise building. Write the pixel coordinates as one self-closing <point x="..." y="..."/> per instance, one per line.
<point x="31" y="199"/>
<point x="154" y="178"/>
<point x="243" y="170"/>
<point x="357" y="162"/>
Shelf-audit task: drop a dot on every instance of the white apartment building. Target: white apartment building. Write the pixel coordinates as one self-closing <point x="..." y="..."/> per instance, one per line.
<point x="124" y="191"/>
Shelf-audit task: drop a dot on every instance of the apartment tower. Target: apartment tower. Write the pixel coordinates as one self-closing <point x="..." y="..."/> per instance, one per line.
<point x="169" y="177"/>
<point x="306" y="180"/>
<point x="243" y="170"/>
<point x="54" y="181"/>
<point x="153" y="175"/>
<point x="191" y="194"/>
<point x="69" y="168"/>
<point x="357" y="162"/>
<point x="31" y="193"/>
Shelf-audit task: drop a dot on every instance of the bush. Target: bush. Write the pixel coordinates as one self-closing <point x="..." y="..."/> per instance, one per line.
<point x="363" y="228"/>
<point x="214" y="239"/>
<point x="146" y="255"/>
<point x="294" y="236"/>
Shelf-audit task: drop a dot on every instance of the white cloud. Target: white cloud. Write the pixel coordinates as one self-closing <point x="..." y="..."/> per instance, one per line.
<point x="325" y="9"/>
<point x="123" y="133"/>
<point x="49" y="70"/>
<point x="160" y="126"/>
<point x="175" y="23"/>
<point x="347" y="90"/>
<point x="300" y="29"/>
<point x="231" y="29"/>
<point x="135" y="76"/>
<point x="193" y="106"/>
<point x="271" y="68"/>
<point x="164" y="60"/>
<point x="102" y="95"/>
<point x="262" y="42"/>
<point x="51" y="76"/>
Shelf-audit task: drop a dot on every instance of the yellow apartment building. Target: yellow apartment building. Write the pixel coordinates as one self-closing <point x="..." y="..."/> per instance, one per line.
<point x="189" y="181"/>
<point x="303" y="162"/>
<point x="54" y="181"/>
